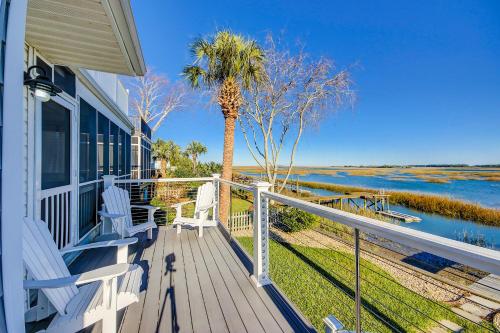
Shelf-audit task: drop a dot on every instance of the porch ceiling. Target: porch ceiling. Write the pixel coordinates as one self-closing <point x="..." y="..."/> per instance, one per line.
<point x="93" y="34"/>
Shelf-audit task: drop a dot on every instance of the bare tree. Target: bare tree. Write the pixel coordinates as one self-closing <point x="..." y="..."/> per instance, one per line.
<point x="298" y="93"/>
<point x="154" y="98"/>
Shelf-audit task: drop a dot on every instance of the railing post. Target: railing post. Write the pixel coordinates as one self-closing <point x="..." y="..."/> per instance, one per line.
<point x="216" y="178"/>
<point x="108" y="180"/>
<point x="260" y="235"/>
<point x="357" y="294"/>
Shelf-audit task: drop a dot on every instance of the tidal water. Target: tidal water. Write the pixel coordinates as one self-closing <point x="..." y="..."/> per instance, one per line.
<point x="485" y="193"/>
<point x="488" y="236"/>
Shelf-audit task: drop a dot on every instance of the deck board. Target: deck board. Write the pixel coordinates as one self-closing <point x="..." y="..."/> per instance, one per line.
<point x="213" y="306"/>
<point x="149" y="318"/>
<point x="261" y="310"/>
<point x="196" y="285"/>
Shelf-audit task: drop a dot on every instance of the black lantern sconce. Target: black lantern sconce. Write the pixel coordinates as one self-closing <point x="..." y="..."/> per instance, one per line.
<point x="41" y="86"/>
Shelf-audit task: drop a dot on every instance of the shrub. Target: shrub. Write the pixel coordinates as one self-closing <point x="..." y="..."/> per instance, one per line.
<point x="294" y="219"/>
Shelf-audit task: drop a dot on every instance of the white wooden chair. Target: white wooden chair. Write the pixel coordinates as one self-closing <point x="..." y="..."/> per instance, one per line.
<point x="119" y="211"/>
<point x="102" y="291"/>
<point x="205" y="200"/>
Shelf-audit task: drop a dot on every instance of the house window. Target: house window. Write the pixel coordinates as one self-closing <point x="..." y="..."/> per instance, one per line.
<point x="87" y="208"/>
<point x="64" y="79"/>
<point x="135" y="156"/>
<point x="56" y="145"/>
<point x="102" y="146"/>
<point x="88" y="144"/>
<point x="123" y="152"/>
<point x="113" y="149"/>
<point x="127" y="154"/>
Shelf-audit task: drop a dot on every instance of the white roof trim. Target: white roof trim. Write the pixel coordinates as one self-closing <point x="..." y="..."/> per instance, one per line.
<point x="99" y="35"/>
<point x="88" y="81"/>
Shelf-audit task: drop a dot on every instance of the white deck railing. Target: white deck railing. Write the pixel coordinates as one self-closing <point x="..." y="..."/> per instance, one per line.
<point x="55" y="210"/>
<point x="483" y="259"/>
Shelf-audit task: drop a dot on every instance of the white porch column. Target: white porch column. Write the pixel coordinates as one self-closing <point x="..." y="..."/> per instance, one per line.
<point x="13" y="209"/>
<point x="216" y="178"/>
<point x="260" y="235"/>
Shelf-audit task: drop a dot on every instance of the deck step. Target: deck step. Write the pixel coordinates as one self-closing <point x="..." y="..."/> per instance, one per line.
<point x="446" y="326"/>
<point x="484" y="302"/>
<point x="467" y="315"/>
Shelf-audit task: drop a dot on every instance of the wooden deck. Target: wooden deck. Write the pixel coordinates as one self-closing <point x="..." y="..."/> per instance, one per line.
<point x="196" y="284"/>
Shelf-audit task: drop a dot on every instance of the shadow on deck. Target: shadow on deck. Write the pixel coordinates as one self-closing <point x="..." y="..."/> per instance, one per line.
<point x="196" y="284"/>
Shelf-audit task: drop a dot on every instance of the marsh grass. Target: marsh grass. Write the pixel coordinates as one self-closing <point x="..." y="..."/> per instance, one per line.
<point x="426" y="203"/>
<point x="428" y="174"/>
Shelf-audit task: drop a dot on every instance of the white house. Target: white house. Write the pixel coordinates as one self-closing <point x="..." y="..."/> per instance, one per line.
<point x="55" y="150"/>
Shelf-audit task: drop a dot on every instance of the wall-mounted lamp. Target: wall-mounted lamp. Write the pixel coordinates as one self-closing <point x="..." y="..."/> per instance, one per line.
<point x="41" y="85"/>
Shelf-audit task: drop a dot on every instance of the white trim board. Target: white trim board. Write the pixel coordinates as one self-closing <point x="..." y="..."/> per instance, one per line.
<point x="13" y="209"/>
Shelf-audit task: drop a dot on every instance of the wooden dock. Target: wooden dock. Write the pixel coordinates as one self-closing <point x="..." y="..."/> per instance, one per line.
<point x="377" y="202"/>
<point x="400" y="216"/>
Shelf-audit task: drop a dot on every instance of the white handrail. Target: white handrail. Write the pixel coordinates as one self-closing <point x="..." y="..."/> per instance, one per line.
<point x="460" y="252"/>
<point x="237" y="185"/>
<point x="163" y="180"/>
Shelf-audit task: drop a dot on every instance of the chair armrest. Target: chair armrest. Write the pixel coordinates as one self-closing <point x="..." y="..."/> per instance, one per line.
<point x="148" y="207"/>
<point x="116" y="243"/>
<point x="100" y="274"/>
<point x="111" y="216"/>
<point x="182" y="203"/>
<point x="52" y="283"/>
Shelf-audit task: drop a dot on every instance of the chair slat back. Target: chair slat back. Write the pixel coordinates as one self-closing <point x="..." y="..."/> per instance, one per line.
<point x="204" y="197"/>
<point x="44" y="262"/>
<point x="117" y="201"/>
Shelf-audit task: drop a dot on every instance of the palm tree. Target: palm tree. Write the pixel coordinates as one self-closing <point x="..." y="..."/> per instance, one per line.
<point x="168" y="152"/>
<point x="228" y="63"/>
<point x="193" y="150"/>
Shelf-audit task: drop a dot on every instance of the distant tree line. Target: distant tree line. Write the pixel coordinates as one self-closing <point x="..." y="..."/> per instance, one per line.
<point x="458" y="165"/>
<point x="183" y="163"/>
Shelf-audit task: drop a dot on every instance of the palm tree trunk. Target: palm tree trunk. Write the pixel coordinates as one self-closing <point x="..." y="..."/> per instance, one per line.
<point x="163" y="167"/>
<point x="227" y="167"/>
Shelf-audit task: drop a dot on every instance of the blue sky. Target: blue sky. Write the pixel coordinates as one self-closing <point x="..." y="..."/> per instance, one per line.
<point x="428" y="80"/>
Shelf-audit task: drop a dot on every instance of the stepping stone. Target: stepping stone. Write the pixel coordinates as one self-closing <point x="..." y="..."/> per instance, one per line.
<point x="446" y="326"/>
<point x="484" y="302"/>
<point x="488" y="285"/>
<point x="467" y="315"/>
<point x="475" y="309"/>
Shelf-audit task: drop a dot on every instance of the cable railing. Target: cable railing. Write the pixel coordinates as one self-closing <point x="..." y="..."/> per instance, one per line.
<point x="369" y="290"/>
<point x="162" y="193"/>
<point x="367" y="274"/>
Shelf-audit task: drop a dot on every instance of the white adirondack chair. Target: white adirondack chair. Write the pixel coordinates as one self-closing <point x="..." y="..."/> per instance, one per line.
<point x="119" y="211"/>
<point x="102" y="292"/>
<point x="205" y="200"/>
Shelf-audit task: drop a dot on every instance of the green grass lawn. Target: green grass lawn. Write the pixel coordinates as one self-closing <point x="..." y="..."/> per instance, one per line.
<point x="240" y="205"/>
<point x="319" y="283"/>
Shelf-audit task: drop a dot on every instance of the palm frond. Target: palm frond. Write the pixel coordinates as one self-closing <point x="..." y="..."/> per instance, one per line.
<point x="223" y="56"/>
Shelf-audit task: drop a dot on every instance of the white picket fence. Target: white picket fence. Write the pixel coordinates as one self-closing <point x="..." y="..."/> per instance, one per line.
<point x="242" y="221"/>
